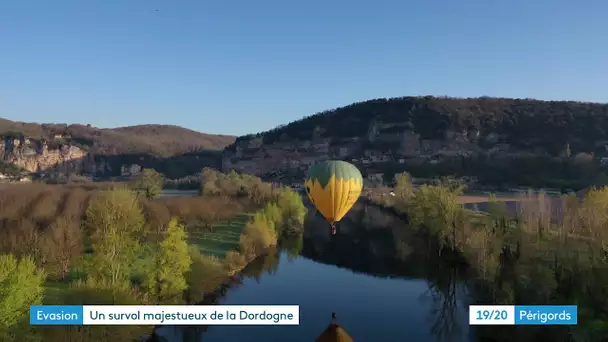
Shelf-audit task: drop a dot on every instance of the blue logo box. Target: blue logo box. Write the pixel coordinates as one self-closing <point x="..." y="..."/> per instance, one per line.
<point x="56" y="315"/>
<point x="546" y="315"/>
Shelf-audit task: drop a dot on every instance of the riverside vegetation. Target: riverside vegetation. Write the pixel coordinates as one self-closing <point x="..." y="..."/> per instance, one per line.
<point x="107" y="244"/>
<point x="58" y="243"/>
<point x="549" y="250"/>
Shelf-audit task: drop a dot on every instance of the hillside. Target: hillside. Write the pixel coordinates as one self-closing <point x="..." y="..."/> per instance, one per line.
<point x="500" y="140"/>
<point x="160" y="140"/>
<point x="58" y="151"/>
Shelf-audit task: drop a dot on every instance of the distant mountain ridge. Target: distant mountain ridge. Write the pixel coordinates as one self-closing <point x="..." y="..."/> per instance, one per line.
<point x="432" y="116"/>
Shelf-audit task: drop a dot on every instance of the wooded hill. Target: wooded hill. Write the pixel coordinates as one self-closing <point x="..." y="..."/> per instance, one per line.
<point x="499" y="141"/>
<point x="160" y="140"/>
<point x="524" y="123"/>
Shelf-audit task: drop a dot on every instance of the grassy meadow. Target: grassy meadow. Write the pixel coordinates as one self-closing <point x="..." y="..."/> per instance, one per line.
<point x="222" y="237"/>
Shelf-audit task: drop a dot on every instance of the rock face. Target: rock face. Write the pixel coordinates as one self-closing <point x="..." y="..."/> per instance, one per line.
<point x="52" y="148"/>
<point x="35" y="156"/>
<point x="385" y="143"/>
<point x="59" y="158"/>
<point x="393" y="133"/>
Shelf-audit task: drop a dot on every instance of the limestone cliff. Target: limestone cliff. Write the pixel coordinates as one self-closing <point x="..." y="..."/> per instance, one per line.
<point x="59" y="157"/>
<point x="35" y="155"/>
<point x="51" y="148"/>
<point x="384" y="143"/>
<point x="416" y="132"/>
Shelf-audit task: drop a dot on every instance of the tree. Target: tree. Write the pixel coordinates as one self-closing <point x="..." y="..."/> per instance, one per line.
<point x="20" y="237"/>
<point x="436" y="208"/>
<point x="205" y="275"/>
<point x="497" y="214"/>
<point x="172" y="262"/>
<point x="593" y="215"/>
<point x="91" y="292"/>
<point x="150" y="182"/>
<point x="258" y="235"/>
<point x="403" y="190"/>
<point x="403" y="184"/>
<point x="21" y="285"/>
<point x="209" y="178"/>
<point x="62" y="245"/>
<point x="114" y="222"/>
<point x="293" y="209"/>
<point x="275" y="215"/>
<point x="452" y="184"/>
<point x="260" y="192"/>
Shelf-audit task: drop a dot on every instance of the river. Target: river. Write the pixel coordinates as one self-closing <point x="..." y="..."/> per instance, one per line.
<point x="370" y="308"/>
<point x="376" y="296"/>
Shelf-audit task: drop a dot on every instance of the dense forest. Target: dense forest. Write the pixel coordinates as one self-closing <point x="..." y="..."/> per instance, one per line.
<point x="160" y="140"/>
<point x="525" y="123"/>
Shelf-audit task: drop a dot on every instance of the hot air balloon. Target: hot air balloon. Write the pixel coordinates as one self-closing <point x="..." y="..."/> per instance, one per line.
<point x="333" y="187"/>
<point x="334" y="332"/>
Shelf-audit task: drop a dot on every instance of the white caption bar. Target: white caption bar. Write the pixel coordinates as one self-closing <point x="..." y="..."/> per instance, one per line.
<point x="191" y="315"/>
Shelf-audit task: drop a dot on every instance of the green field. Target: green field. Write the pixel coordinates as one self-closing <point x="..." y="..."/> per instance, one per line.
<point x="223" y="237"/>
<point x="53" y="292"/>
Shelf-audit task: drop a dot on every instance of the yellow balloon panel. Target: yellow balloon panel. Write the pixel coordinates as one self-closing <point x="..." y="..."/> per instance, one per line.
<point x="335" y="199"/>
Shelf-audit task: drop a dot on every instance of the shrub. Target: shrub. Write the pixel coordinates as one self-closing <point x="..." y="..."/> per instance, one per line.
<point x="272" y="213"/>
<point x="205" y="275"/>
<point x="214" y="183"/>
<point x="435" y="208"/>
<point x="293" y="210"/>
<point x="149" y="182"/>
<point x="234" y="261"/>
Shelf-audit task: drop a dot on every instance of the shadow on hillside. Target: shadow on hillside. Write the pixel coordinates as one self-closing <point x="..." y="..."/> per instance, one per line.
<point x="111" y="166"/>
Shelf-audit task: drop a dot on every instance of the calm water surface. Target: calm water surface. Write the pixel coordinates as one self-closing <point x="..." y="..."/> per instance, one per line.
<point x="370" y="308"/>
<point x="377" y="295"/>
<point x="383" y="282"/>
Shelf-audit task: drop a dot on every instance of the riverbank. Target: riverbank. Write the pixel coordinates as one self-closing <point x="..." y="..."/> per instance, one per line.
<point x="549" y="250"/>
<point x="225" y="247"/>
<point x="218" y="253"/>
<point x="285" y="278"/>
<point x="222" y="256"/>
<point x="492" y="257"/>
<point x="255" y="268"/>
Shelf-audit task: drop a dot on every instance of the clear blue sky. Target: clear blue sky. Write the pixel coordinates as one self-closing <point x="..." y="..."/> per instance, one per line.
<point x="236" y="67"/>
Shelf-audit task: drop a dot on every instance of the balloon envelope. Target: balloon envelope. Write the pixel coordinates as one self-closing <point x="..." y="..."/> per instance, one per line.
<point x="334" y="333"/>
<point x="333" y="187"/>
